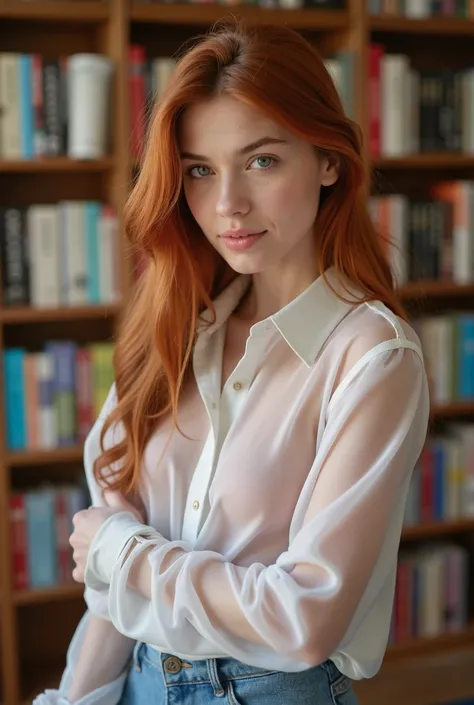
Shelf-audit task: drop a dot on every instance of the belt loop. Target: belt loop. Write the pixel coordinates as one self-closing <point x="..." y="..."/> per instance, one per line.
<point x="214" y="677"/>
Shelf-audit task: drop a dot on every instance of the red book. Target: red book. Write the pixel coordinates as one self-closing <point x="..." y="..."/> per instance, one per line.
<point x="376" y="52"/>
<point x="136" y="68"/>
<point x="19" y="541"/>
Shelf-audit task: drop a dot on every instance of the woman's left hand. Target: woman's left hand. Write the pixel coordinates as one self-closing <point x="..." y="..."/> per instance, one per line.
<point x="87" y="523"/>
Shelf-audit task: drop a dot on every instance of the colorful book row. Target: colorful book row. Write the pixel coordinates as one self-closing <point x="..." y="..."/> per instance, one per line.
<point x="448" y="346"/>
<point x="59" y="254"/>
<point x="442" y="486"/>
<point x="431" y="593"/>
<point x="52" y="397"/>
<point x="41" y="524"/>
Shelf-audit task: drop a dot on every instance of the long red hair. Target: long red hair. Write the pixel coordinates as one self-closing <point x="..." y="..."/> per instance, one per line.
<point x="274" y="69"/>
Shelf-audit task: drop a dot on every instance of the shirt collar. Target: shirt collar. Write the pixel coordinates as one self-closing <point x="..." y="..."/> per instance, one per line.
<point x="305" y="323"/>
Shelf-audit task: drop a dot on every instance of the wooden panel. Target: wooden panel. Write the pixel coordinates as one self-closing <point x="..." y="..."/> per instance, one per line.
<point x="436" y="27"/>
<point x="203" y="15"/>
<point x="35" y="622"/>
<point x="55" y="38"/>
<point x="432" y="680"/>
<point x="24" y="189"/>
<point x="54" y="164"/>
<point x="29" y="314"/>
<point x="55" y="594"/>
<point x="90" y="11"/>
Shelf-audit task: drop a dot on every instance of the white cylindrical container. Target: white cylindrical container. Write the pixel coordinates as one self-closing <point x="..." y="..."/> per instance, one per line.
<point x="89" y="80"/>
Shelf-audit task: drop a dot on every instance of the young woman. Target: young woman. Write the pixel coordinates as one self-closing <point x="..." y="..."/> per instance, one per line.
<point x="250" y="467"/>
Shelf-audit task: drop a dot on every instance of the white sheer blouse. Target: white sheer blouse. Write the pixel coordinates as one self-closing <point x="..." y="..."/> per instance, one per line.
<point x="286" y="496"/>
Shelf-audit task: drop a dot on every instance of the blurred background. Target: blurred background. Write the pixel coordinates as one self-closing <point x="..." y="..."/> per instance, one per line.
<point x="76" y="79"/>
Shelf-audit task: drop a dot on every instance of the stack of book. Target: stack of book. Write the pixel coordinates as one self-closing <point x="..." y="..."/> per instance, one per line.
<point x="431" y="594"/>
<point x="34" y="106"/>
<point x="59" y="254"/>
<point x="442" y="485"/>
<point x="430" y="238"/>
<point x="53" y="397"/>
<point x="41" y="524"/>
<point x="448" y="348"/>
<point x="422" y="9"/>
<point x="412" y="111"/>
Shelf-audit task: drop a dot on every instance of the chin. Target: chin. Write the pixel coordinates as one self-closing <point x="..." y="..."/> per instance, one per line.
<point x="245" y="265"/>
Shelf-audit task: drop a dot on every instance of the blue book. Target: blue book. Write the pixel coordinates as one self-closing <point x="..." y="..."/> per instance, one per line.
<point x="92" y="212"/>
<point x="466" y="356"/>
<point x="26" y="106"/>
<point x="14" y="398"/>
<point x="63" y="353"/>
<point x="41" y="532"/>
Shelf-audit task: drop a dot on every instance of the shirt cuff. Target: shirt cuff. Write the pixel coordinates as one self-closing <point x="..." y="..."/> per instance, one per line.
<point x="108" y="545"/>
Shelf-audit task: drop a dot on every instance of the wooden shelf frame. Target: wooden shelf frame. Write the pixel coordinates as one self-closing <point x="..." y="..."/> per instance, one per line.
<point x="85" y="11"/>
<point x="54" y="165"/>
<point x="435" y="26"/>
<point x="113" y="22"/>
<point x="200" y="15"/>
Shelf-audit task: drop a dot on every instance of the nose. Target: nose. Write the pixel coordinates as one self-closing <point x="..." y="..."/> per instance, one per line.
<point x="233" y="198"/>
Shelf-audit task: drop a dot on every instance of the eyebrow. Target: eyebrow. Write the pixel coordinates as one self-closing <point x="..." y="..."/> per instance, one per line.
<point x="262" y="142"/>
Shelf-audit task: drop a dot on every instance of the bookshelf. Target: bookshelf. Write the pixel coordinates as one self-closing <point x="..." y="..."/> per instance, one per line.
<point x="57" y="27"/>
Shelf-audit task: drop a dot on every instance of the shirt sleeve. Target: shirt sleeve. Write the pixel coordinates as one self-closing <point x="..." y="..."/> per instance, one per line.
<point x="96" y="600"/>
<point x="343" y="543"/>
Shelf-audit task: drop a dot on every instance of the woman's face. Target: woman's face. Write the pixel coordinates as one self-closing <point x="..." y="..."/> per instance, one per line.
<point x="252" y="186"/>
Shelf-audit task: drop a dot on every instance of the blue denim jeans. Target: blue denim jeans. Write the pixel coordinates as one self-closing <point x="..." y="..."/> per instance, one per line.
<point x="163" y="679"/>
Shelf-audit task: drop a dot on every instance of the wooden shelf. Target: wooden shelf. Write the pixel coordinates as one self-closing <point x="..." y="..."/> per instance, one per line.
<point x="28" y="314"/>
<point x="445" y="26"/>
<point x="84" y="11"/>
<point x="438" y="528"/>
<point x="459" y="409"/>
<point x="37" y="595"/>
<point x="428" y="645"/>
<point x="442" y="160"/>
<point x="54" y="165"/>
<point x="22" y="458"/>
<point x="436" y="289"/>
<point x="206" y="14"/>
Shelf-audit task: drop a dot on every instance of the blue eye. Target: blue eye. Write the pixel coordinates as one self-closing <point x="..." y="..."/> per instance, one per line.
<point x="199" y="171"/>
<point x="264" y="162"/>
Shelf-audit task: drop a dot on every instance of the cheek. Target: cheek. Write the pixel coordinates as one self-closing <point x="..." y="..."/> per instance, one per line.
<point x="293" y="203"/>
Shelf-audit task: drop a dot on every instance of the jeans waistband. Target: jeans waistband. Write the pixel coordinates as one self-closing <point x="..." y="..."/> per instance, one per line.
<point x="217" y="671"/>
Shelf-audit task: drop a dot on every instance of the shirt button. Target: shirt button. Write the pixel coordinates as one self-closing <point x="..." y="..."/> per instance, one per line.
<point x="237" y="386"/>
<point x="195" y="504"/>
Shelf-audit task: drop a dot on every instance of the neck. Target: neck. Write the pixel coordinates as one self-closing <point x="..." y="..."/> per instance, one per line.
<point x="276" y="286"/>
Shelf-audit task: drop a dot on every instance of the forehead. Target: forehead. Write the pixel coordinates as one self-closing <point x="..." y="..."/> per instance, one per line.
<point x="224" y="122"/>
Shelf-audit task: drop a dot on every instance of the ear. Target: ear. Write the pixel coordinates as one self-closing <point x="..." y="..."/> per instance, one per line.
<point x="330" y="165"/>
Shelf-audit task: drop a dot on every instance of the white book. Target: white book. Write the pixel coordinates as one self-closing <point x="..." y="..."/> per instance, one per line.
<point x="44" y="255"/>
<point x="399" y="212"/>
<point x="395" y="119"/>
<point x="108" y="240"/>
<point x="431" y="604"/>
<point x="335" y="70"/>
<point x="468" y="111"/>
<point x="163" y="68"/>
<point x="48" y="429"/>
<point x="463" y="242"/>
<point x="10" y="122"/>
<point x="417" y="9"/>
<point x="73" y="255"/>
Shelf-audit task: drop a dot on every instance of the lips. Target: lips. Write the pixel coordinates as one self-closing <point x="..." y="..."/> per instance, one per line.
<point x="241" y="233"/>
